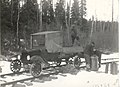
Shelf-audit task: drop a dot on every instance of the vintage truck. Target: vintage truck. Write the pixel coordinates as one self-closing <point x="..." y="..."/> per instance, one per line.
<point x="46" y="47"/>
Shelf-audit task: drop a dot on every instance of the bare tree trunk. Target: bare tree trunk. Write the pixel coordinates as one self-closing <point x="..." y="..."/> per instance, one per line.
<point x="112" y="10"/>
<point x="11" y="14"/>
<point x="0" y="26"/>
<point x="82" y="15"/>
<point x="11" y="20"/>
<point x="38" y="16"/>
<point x="68" y="24"/>
<point x="18" y="24"/>
<point x="68" y="39"/>
<point x="91" y="32"/>
<point x="41" y="15"/>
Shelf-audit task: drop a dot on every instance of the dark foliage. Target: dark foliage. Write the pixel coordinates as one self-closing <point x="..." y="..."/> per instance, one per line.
<point x="60" y="13"/>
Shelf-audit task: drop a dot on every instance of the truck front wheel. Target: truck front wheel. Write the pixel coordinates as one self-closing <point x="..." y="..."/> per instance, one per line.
<point x="15" y="66"/>
<point x="35" y="69"/>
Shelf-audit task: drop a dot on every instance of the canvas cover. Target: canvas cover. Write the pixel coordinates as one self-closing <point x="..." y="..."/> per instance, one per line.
<point x="53" y="42"/>
<point x="73" y="49"/>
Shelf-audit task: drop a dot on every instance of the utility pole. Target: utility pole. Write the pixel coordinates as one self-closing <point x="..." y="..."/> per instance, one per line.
<point x="112" y="11"/>
<point x="112" y="15"/>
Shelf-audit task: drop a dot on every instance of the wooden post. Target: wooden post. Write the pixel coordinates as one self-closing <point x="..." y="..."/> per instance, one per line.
<point x="113" y="68"/>
<point x="106" y="68"/>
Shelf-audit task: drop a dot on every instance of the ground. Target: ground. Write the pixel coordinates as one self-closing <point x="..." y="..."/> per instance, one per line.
<point x="68" y="76"/>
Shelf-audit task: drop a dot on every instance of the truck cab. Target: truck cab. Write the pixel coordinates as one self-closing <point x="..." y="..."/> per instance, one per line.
<point x="47" y="40"/>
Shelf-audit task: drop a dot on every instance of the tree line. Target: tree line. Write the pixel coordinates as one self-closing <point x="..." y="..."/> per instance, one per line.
<point x="20" y="18"/>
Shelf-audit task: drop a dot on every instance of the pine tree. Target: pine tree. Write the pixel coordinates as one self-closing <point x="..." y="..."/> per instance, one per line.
<point x="68" y="15"/>
<point x="28" y="20"/>
<point x="7" y="32"/>
<point x="83" y="8"/>
<point x="75" y="12"/>
<point x="45" y="7"/>
<point x="51" y="12"/>
<point x="60" y="13"/>
<point x="83" y="21"/>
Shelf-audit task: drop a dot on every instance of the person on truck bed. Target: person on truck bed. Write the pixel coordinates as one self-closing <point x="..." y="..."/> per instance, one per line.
<point x="76" y="42"/>
<point x="73" y="34"/>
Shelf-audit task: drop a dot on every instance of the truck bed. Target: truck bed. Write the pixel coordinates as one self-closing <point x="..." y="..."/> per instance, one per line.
<point x="73" y="49"/>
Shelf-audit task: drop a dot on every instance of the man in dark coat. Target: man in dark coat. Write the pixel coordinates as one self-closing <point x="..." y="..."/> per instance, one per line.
<point x="98" y="53"/>
<point x="73" y="34"/>
<point x="88" y="52"/>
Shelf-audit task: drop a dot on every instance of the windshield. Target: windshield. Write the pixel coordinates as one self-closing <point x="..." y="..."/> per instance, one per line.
<point x="38" y="41"/>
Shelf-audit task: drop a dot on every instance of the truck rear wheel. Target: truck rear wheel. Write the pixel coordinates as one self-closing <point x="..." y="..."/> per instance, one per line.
<point x="77" y="62"/>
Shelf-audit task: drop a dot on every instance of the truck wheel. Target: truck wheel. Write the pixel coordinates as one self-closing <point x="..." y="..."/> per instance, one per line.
<point x="77" y="62"/>
<point x="15" y="66"/>
<point x="35" y="69"/>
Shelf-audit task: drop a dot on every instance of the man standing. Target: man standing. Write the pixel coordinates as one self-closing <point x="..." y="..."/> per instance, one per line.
<point x="88" y="52"/>
<point x="73" y="34"/>
<point x="98" y="53"/>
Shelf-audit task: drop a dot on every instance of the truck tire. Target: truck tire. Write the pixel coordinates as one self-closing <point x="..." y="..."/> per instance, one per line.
<point x="35" y="69"/>
<point x="15" y="66"/>
<point x="77" y="62"/>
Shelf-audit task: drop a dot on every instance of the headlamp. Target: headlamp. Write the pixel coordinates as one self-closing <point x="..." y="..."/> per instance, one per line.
<point x="28" y="57"/>
<point x="19" y="57"/>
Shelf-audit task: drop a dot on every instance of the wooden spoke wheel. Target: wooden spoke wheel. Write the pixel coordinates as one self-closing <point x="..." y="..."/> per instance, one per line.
<point x="77" y="62"/>
<point x="35" y="69"/>
<point x="15" y="66"/>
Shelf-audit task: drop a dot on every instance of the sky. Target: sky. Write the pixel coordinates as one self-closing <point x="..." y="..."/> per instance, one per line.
<point x="100" y="9"/>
